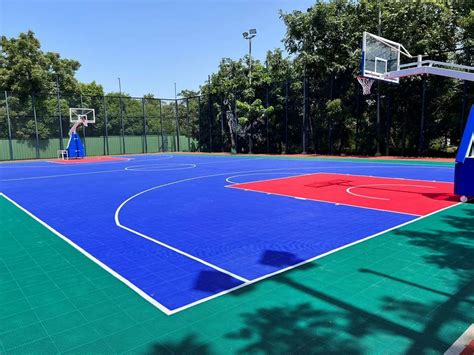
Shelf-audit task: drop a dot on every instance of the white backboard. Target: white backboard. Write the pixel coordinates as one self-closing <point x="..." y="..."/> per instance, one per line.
<point x="379" y="57"/>
<point x="76" y="113"/>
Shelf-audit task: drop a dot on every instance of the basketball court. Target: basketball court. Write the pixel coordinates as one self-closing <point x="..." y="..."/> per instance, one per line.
<point x="214" y="247"/>
<point x="183" y="229"/>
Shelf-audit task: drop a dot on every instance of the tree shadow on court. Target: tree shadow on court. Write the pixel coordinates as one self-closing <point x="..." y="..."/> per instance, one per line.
<point x="295" y="329"/>
<point x="188" y="345"/>
<point x="420" y="314"/>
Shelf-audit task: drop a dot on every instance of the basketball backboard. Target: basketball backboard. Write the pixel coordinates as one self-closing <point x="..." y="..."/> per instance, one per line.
<point x="75" y="114"/>
<point x="380" y="56"/>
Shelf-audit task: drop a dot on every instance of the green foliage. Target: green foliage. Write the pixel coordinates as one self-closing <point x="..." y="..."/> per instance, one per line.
<point x="26" y="69"/>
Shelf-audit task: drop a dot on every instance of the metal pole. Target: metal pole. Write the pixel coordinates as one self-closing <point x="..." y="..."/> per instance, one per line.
<point x="84" y="129"/>
<point x="106" y="126"/>
<point x="199" y="123"/>
<point x="422" y="123"/>
<point x="330" y="150"/>
<point x="304" y="112"/>
<point x="250" y="61"/>
<point x="161" y="129"/>
<point x="122" y="129"/>
<point x="266" y="121"/>
<point x="187" y="123"/>
<point x="357" y="120"/>
<point x="222" y="123"/>
<point x="33" y="103"/>
<point x="210" y="114"/>
<point x="61" y="143"/>
<point x="389" y="123"/>
<point x="145" y="145"/>
<point x="377" y="153"/>
<point x="176" y="117"/>
<point x="177" y="123"/>
<point x="10" y="142"/>
<point x="286" y="116"/>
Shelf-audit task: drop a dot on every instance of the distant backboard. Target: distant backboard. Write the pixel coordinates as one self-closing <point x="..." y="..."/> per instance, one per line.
<point x="88" y="114"/>
<point x="380" y="56"/>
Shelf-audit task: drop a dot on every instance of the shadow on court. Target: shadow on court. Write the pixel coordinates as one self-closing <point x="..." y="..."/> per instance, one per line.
<point x="423" y="307"/>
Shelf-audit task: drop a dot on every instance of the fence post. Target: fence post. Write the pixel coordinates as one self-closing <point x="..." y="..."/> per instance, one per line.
<point x="266" y="120"/>
<point x="144" y="142"/>
<point x="33" y="104"/>
<point x="177" y="123"/>
<point x="222" y="123"/>
<point x="61" y="144"/>
<point x="304" y="113"/>
<point x="389" y="122"/>
<point x="161" y="129"/>
<point x="10" y="143"/>
<point x="330" y="150"/>
<point x="233" y="108"/>
<point x="187" y="123"/>
<point x="357" y="132"/>
<point x="106" y="126"/>
<point x="210" y="122"/>
<point x="286" y="117"/>
<point x="122" y="126"/>
<point x="199" y="124"/>
<point x="422" y="123"/>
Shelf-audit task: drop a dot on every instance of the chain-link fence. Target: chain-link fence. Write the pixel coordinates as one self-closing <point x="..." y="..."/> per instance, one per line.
<point x="421" y="116"/>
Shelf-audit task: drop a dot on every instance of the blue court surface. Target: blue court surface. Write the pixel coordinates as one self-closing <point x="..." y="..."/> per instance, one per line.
<point x="168" y="226"/>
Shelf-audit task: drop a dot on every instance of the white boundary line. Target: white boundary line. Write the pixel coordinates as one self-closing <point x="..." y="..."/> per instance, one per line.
<point x="460" y="344"/>
<point x="91" y="257"/>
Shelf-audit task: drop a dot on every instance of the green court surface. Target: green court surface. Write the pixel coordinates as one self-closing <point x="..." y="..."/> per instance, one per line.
<point x="407" y="291"/>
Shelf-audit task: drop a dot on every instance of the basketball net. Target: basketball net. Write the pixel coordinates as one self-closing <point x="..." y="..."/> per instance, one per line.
<point x="366" y="84"/>
<point x="81" y="120"/>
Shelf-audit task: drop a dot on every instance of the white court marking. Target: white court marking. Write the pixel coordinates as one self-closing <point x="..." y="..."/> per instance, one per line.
<point x="349" y="190"/>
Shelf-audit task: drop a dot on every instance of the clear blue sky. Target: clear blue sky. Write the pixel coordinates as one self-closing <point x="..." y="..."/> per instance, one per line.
<point x="149" y="44"/>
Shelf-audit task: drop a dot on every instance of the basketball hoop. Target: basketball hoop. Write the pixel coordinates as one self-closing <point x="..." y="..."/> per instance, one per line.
<point x="366" y="84"/>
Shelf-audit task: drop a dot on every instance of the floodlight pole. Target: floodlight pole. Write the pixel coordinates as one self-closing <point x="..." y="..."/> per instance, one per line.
<point x="250" y="60"/>
<point x="248" y="36"/>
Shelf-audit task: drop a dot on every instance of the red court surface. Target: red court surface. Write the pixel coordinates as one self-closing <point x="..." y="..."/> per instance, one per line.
<point x="416" y="197"/>
<point x="87" y="160"/>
